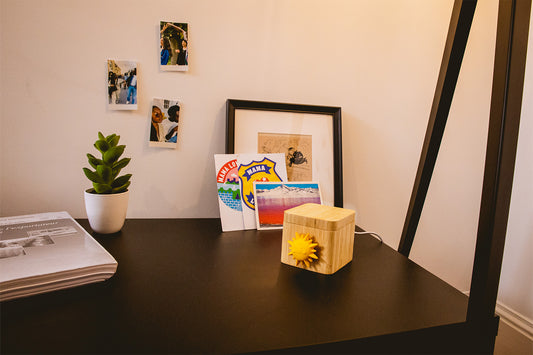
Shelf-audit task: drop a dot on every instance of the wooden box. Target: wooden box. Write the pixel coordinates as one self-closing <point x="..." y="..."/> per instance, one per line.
<point x="318" y="238"/>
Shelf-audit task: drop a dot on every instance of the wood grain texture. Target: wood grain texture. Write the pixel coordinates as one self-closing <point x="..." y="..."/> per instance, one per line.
<point x="331" y="227"/>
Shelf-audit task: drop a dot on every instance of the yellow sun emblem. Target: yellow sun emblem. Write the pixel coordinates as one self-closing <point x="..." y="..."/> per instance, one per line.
<point x="303" y="249"/>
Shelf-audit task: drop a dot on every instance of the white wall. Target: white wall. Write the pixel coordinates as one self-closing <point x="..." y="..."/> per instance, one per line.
<point x="378" y="60"/>
<point x="516" y="284"/>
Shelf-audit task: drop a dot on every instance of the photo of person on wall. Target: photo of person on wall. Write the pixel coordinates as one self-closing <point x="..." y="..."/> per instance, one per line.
<point x="174" y="40"/>
<point x="164" y="123"/>
<point x="121" y="85"/>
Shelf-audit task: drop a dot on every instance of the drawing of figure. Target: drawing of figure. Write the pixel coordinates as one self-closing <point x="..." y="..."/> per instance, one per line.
<point x="295" y="157"/>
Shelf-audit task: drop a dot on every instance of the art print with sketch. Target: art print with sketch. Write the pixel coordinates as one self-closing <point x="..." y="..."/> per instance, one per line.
<point x="297" y="149"/>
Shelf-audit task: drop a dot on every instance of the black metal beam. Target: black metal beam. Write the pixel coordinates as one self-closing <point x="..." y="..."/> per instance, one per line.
<point x="506" y="104"/>
<point x="459" y="29"/>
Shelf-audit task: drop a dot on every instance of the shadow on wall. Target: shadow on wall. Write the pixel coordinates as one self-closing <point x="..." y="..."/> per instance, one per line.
<point x="378" y="177"/>
<point x="176" y="200"/>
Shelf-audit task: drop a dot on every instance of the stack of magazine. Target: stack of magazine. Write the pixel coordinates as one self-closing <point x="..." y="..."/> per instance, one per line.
<point x="46" y="252"/>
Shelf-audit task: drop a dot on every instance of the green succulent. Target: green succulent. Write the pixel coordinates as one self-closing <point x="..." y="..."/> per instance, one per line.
<point x="106" y="169"/>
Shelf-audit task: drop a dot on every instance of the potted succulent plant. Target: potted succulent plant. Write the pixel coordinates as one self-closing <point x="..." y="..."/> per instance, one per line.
<point x="106" y="202"/>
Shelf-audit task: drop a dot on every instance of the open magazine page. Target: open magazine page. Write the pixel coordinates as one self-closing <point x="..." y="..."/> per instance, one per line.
<point x="48" y="251"/>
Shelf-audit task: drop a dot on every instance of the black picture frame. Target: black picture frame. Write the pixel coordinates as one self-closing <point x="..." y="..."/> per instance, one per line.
<point x="233" y="131"/>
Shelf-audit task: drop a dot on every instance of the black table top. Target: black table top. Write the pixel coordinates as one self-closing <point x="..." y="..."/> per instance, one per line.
<point x="184" y="286"/>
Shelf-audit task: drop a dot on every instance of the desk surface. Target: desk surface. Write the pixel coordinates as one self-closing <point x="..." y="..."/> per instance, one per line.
<point x="183" y="285"/>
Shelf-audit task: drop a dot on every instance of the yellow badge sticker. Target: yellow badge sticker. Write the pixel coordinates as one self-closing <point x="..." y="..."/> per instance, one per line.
<point x="263" y="170"/>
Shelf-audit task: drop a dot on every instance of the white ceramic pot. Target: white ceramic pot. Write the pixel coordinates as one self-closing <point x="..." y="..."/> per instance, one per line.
<point x="106" y="212"/>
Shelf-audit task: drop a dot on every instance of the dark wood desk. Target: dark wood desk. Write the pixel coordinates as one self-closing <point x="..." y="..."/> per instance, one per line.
<point x="184" y="286"/>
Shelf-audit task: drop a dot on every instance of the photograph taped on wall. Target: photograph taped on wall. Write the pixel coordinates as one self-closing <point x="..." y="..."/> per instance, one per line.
<point x="174" y="46"/>
<point x="164" y="122"/>
<point x="260" y="127"/>
<point x="273" y="198"/>
<point x="121" y="85"/>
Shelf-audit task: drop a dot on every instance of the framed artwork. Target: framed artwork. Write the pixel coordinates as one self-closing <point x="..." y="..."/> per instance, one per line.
<point x="273" y="198"/>
<point x="121" y="85"/>
<point x="164" y="123"/>
<point x="174" y="46"/>
<point x="308" y="135"/>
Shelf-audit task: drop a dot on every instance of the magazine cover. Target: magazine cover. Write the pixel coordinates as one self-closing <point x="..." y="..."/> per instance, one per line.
<point x="48" y="251"/>
<point x="229" y="193"/>
<point x="273" y="198"/>
<point x="257" y="167"/>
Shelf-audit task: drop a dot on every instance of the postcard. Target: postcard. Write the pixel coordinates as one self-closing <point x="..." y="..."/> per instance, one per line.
<point x="273" y="198"/>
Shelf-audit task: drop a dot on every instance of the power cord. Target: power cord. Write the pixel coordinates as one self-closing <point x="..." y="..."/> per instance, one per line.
<point x="372" y="234"/>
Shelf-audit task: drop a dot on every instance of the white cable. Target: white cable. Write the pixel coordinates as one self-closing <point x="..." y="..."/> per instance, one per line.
<point x="371" y="233"/>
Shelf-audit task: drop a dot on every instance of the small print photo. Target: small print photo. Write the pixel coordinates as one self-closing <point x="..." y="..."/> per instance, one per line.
<point x="164" y="123"/>
<point x="273" y="198"/>
<point x="174" y="45"/>
<point x="297" y="149"/>
<point x="15" y="247"/>
<point x="121" y="85"/>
